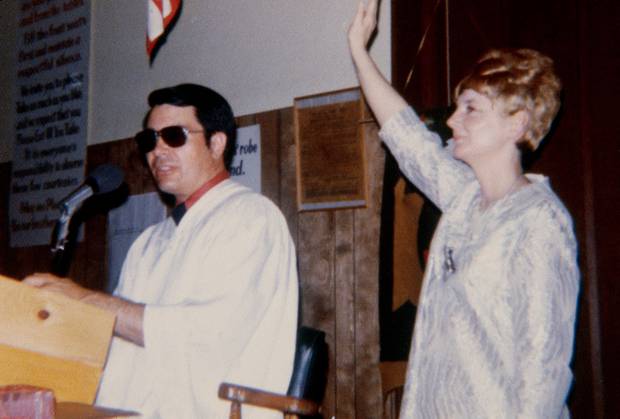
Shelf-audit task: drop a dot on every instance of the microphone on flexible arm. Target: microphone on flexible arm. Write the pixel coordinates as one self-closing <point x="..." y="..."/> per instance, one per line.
<point x="103" y="179"/>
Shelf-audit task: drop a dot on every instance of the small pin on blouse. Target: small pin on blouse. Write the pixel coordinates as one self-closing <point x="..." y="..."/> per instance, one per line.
<point x="448" y="263"/>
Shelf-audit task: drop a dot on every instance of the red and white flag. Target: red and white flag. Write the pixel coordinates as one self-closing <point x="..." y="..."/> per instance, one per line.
<point x="161" y="13"/>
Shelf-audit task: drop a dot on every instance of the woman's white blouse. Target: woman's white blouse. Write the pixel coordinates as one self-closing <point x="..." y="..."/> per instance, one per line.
<point x="495" y="323"/>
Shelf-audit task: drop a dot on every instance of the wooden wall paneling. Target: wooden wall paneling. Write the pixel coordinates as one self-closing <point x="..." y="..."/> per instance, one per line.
<point x="317" y="281"/>
<point x="125" y="154"/>
<point x="345" y="328"/>
<point x="287" y="180"/>
<point x="270" y="154"/>
<point x="22" y="261"/>
<point x="26" y="260"/>
<point x="341" y="247"/>
<point x="369" y="398"/>
<point x="89" y="264"/>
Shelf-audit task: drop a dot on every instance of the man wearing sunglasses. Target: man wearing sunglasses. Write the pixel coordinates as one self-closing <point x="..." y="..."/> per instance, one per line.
<point x="209" y="294"/>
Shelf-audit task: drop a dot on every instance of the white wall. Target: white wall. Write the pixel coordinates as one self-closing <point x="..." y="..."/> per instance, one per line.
<point x="260" y="54"/>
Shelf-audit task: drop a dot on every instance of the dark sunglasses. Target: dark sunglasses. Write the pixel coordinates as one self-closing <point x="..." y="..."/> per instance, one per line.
<point x="173" y="136"/>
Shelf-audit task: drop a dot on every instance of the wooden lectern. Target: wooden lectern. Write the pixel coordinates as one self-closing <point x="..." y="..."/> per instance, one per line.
<point x="50" y="341"/>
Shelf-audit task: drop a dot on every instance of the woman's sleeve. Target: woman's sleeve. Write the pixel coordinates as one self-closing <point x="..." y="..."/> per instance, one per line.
<point x="423" y="159"/>
<point x="547" y="284"/>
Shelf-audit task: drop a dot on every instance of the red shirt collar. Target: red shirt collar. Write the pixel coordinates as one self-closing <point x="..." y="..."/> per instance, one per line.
<point x="195" y="196"/>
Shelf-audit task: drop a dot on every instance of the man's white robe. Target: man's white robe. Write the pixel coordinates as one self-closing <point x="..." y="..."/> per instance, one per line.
<point x="221" y="297"/>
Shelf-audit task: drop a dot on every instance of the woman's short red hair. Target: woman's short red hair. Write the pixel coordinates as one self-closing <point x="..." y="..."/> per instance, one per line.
<point x="522" y="79"/>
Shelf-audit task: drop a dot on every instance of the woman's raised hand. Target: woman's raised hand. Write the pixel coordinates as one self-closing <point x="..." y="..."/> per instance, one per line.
<point x="380" y="95"/>
<point x="363" y="25"/>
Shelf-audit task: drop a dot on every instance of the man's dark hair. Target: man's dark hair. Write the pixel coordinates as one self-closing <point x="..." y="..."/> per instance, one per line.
<point x="212" y="111"/>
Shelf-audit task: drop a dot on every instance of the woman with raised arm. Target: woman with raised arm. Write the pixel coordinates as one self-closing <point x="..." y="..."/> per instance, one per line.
<point x="495" y="324"/>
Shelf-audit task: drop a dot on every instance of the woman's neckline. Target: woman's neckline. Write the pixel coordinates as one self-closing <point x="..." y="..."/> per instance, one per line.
<point x="520" y="182"/>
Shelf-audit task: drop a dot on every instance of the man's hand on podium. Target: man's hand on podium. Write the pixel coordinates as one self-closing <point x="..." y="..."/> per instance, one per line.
<point x="50" y="282"/>
<point x="129" y="315"/>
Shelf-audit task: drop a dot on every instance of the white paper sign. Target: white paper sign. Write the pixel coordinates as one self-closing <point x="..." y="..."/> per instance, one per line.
<point x="246" y="163"/>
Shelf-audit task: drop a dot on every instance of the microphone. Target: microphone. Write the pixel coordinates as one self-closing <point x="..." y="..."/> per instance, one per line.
<point x="102" y="179"/>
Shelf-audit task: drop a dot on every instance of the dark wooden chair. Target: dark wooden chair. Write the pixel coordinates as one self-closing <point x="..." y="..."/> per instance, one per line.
<point x="306" y="388"/>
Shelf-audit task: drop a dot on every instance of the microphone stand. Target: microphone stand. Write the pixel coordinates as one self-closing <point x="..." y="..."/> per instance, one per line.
<point x="105" y="178"/>
<point x="60" y="241"/>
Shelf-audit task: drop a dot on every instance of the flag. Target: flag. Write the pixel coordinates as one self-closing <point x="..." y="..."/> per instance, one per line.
<point x="161" y="13"/>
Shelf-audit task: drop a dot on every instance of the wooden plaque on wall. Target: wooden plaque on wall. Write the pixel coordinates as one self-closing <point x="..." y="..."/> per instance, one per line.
<point x="331" y="162"/>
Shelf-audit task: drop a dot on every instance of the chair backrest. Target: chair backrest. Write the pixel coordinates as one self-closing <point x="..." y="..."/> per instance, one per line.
<point x="310" y="368"/>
